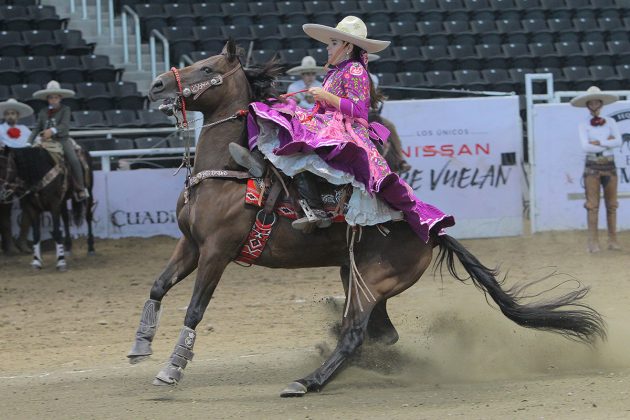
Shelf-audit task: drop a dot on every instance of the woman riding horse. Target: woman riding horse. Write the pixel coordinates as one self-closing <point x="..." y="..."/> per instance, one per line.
<point x="336" y="138"/>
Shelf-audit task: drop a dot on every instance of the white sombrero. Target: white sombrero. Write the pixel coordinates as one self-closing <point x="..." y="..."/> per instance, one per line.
<point x="53" y="88"/>
<point x="593" y="94"/>
<point x="22" y="109"/>
<point x="351" y="29"/>
<point x="308" y="66"/>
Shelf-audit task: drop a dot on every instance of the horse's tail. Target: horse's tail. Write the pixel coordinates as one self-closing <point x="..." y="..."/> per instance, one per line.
<point x="564" y="315"/>
<point x="79" y="208"/>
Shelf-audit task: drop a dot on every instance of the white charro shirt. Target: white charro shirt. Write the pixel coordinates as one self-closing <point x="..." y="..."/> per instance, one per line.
<point x="600" y="133"/>
<point x="21" y="141"/>
<point x="300" y="97"/>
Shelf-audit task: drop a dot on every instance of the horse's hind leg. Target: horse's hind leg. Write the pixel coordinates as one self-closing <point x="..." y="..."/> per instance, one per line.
<point x="211" y="266"/>
<point x="56" y="233"/>
<point x="183" y="261"/>
<point x="37" y="250"/>
<point x="66" y="227"/>
<point x="89" y="214"/>
<point x="380" y="327"/>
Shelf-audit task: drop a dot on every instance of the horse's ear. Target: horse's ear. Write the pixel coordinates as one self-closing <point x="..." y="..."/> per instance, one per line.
<point x="229" y="50"/>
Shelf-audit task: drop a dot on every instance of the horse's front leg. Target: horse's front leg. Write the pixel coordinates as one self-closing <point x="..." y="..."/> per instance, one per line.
<point x="183" y="261"/>
<point x="57" y="237"/>
<point x="37" y="250"/>
<point x="66" y="227"/>
<point x="212" y="263"/>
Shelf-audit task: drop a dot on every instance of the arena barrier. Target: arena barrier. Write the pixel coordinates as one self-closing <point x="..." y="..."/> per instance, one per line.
<point x="465" y="156"/>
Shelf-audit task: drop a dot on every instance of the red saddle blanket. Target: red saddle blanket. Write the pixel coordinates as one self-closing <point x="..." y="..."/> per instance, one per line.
<point x="284" y="206"/>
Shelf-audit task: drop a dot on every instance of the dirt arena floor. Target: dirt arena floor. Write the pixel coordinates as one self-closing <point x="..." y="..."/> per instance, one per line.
<point x="64" y="337"/>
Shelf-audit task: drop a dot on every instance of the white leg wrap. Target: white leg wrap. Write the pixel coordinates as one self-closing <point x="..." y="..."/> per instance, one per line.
<point x="37" y="256"/>
<point x="61" y="259"/>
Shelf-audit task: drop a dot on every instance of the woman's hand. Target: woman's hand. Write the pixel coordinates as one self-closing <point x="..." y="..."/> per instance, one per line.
<point x="319" y="94"/>
<point x="595" y="142"/>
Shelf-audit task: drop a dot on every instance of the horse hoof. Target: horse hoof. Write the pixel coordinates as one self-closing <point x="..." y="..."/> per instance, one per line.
<point x="92" y="253"/>
<point x="164" y="382"/>
<point x="294" y="389"/>
<point x="134" y="360"/>
<point x="36" y="265"/>
<point x="62" y="268"/>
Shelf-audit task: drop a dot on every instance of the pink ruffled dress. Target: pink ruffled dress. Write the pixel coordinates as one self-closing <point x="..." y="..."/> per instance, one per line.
<point x="339" y="146"/>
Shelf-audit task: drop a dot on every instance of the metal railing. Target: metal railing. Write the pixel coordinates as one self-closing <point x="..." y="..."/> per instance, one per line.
<point x="153" y="53"/>
<point x="106" y="155"/>
<point x="98" y="17"/>
<point x="128" y="11"/>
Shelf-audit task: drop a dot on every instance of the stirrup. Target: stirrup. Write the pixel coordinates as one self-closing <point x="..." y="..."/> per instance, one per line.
<point x="246" y="159"/>
<point x="312" y="217"/>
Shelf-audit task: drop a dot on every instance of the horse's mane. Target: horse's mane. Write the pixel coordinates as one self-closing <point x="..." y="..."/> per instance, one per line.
<point x="262" y="80"/>
<point x="32" y="163"/>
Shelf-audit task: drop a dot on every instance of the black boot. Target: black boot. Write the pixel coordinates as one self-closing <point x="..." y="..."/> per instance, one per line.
<point x="311" y="203"/>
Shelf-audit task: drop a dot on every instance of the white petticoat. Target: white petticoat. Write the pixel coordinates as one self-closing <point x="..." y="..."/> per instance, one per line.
<point x="363" y="210"/>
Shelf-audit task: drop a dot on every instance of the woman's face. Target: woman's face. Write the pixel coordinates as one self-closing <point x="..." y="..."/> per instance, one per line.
<point x="595" y="105"/>
<point x="334" y="47"/>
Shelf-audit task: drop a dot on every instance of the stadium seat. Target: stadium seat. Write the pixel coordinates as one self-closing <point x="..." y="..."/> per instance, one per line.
<point x="152" y="17"/>
<point x="267" y="37"/>
<point x="72" y="42"/>
<point x="45" y="17"/>
<point x="153" y="118"/>
<point x="477" y="4"/>
<point x="87" y="119"/>
<point x="263" y="56"/>
<point x="181" y="40"/>
<point x="36" y="69"/>
<point x="12" y="44"/>
<point x="122" y="118"/>
<point x="9" y="73"/>
<point x="15" y="18"/>
<point x="469" y="79"/>
<point x="483" y="26"/>
<point x="438" y="56"/>
<point x="126" y="95"/>
<point x="95" y="96"/>
<point x="292" y="57"/>
<point x="68" y="68"/>
<point x="411" y="79"/>
<point x="99" y="69"/>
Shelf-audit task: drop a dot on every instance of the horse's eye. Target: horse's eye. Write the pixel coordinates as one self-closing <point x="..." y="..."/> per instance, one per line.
<point x="207" y="70"/>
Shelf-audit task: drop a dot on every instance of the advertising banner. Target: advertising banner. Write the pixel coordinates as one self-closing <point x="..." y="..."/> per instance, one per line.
<point x="558" y="166"/>
<point x="465" y="156"/>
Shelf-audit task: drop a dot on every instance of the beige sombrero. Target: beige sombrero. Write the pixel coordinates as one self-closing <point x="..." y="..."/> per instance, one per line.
<point x="308" y="66"/>
<point x="592" y="94"/>
<point x="22" y="109"/>
<point x="53" y="88"/>
<point x="351" y="29"/>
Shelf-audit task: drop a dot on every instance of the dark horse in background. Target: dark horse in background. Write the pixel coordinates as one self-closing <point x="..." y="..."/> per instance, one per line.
<point x="42" y="184"/>
<point x="215" y="222"/>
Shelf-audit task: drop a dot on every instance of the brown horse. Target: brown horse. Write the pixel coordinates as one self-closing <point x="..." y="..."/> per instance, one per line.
<point x="42" y="185"/>
<point x="215" y="222"/>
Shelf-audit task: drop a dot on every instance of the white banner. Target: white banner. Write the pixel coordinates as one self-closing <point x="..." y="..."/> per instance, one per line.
<point x="558" y="165"/>
<point x="465" y="156"/>
<point x="128" y="203"/>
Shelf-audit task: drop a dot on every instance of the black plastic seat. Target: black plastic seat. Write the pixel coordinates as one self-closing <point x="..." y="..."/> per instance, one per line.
<point x="386" y="79"/>
<point x="469" y="79"/>
<point x="437" y="55"/>
<point x="152" y="17"/>
<point x="16" y="18"/>
<point x="9" y="72"/>
<point x="431" y="27"/>
<point x="41" y="42"/>
<point x="181" y="40"/>
<point x="36" y="69"/>
<point x="560" y="25"/>
<point x="122" y="144"/>
<point x="345" y="7"/>
<point x="45" y="17"/>
<point x="411" y="79"/>
<point x="153" y="118"/>
<point x="508" y="26"/>
<point x="99" y="69"/>
<point x="584" y="24"/>
<point x="290" y="8"/>
<point x="292" y="57"/>
<point x="406" y="33"/>
<point x="452" y="5"/>
<point x="606" y="77"/>
<point x="180" y="14"/>
<point x="623" y="70"/>
<point x="72" y="42"/>
<point x="126" y="95"/>
<point x="477" y="4"/>
<point x="267" y="37"/>
<point x="409" y="59"/>
<point x="579" y="77"/>
<point x="527" y="4"/>
<point x="238" y="33"/>
<point x="209" y="38"/>
<point x="207" y="9"/>
<point x="68" y="68"/>
<point x="483" y="26"/>
<point x="95" y="96"/>
<point x="12" y="44"/>
<point x="263" y="56"/>
<point x="121" y="118"/>
<point x="498" y="79"/>
<point x="457" y="27"/>
<point x="87" y="119"/>
<point x="440" y="79"/>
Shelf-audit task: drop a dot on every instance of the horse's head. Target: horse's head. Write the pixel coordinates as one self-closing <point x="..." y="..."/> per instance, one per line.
<point x="205" y="85"/>
<point x="216" y="82"/>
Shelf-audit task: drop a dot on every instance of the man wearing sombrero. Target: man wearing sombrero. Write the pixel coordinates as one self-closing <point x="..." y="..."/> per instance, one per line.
<point x="599" y="137"/>
<point x="334" y="141"/>
<point x="308" y="70"/>
<point x="13" y="134"/>
<point x="53" y="123"/>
